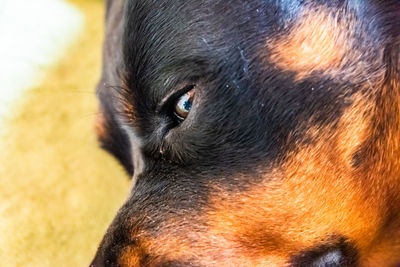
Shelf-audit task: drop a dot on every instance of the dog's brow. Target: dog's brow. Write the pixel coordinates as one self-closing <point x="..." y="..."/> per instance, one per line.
<point x="316" y="42"/>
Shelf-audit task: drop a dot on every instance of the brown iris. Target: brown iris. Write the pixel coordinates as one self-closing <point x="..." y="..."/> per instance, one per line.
<point x="184" y="105"/>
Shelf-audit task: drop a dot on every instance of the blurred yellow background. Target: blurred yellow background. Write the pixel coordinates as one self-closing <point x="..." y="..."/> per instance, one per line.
<point x="58" y="190"/>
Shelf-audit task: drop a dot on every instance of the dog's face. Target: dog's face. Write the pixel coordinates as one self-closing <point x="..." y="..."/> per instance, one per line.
<point x="258" y="133"/>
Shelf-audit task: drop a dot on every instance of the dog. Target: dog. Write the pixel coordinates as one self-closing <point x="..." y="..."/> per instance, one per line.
<point x="257" y="132"/>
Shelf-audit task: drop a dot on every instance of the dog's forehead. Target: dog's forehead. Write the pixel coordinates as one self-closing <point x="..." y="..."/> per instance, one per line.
<point x="299" y="36"/>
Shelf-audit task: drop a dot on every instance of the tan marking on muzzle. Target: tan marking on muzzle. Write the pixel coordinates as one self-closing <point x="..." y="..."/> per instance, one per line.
<point x="313" y="196"/>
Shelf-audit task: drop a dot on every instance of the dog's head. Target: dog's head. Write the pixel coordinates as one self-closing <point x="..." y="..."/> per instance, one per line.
<point x="258" y="133"/>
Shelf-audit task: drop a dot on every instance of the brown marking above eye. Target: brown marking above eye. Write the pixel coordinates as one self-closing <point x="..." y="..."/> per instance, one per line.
<point x="318" y="41"/>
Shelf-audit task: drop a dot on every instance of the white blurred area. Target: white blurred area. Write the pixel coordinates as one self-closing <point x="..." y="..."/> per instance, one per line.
<point x="33" y="34"/>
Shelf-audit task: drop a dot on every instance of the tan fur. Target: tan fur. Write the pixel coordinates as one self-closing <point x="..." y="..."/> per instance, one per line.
<point x="315" y="43"/>
<point x="354" y="128"/>
<point x="323" y="40"/>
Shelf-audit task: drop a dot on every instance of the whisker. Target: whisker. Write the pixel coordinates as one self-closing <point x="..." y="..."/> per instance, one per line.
<point x="93" y="115"/>
<point x="38" y="90"/>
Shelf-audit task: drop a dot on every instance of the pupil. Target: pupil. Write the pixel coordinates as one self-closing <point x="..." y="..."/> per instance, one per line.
<point x="187" y="105"/>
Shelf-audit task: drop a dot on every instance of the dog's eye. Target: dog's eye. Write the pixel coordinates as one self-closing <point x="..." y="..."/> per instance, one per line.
<point x="184" y="105"/>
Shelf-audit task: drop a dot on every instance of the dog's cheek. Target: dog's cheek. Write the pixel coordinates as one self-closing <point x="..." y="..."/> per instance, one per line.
<point x="113" y="139"/>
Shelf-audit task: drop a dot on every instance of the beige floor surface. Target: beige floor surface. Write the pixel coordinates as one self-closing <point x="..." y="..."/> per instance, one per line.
<point x="58" y="190"/>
